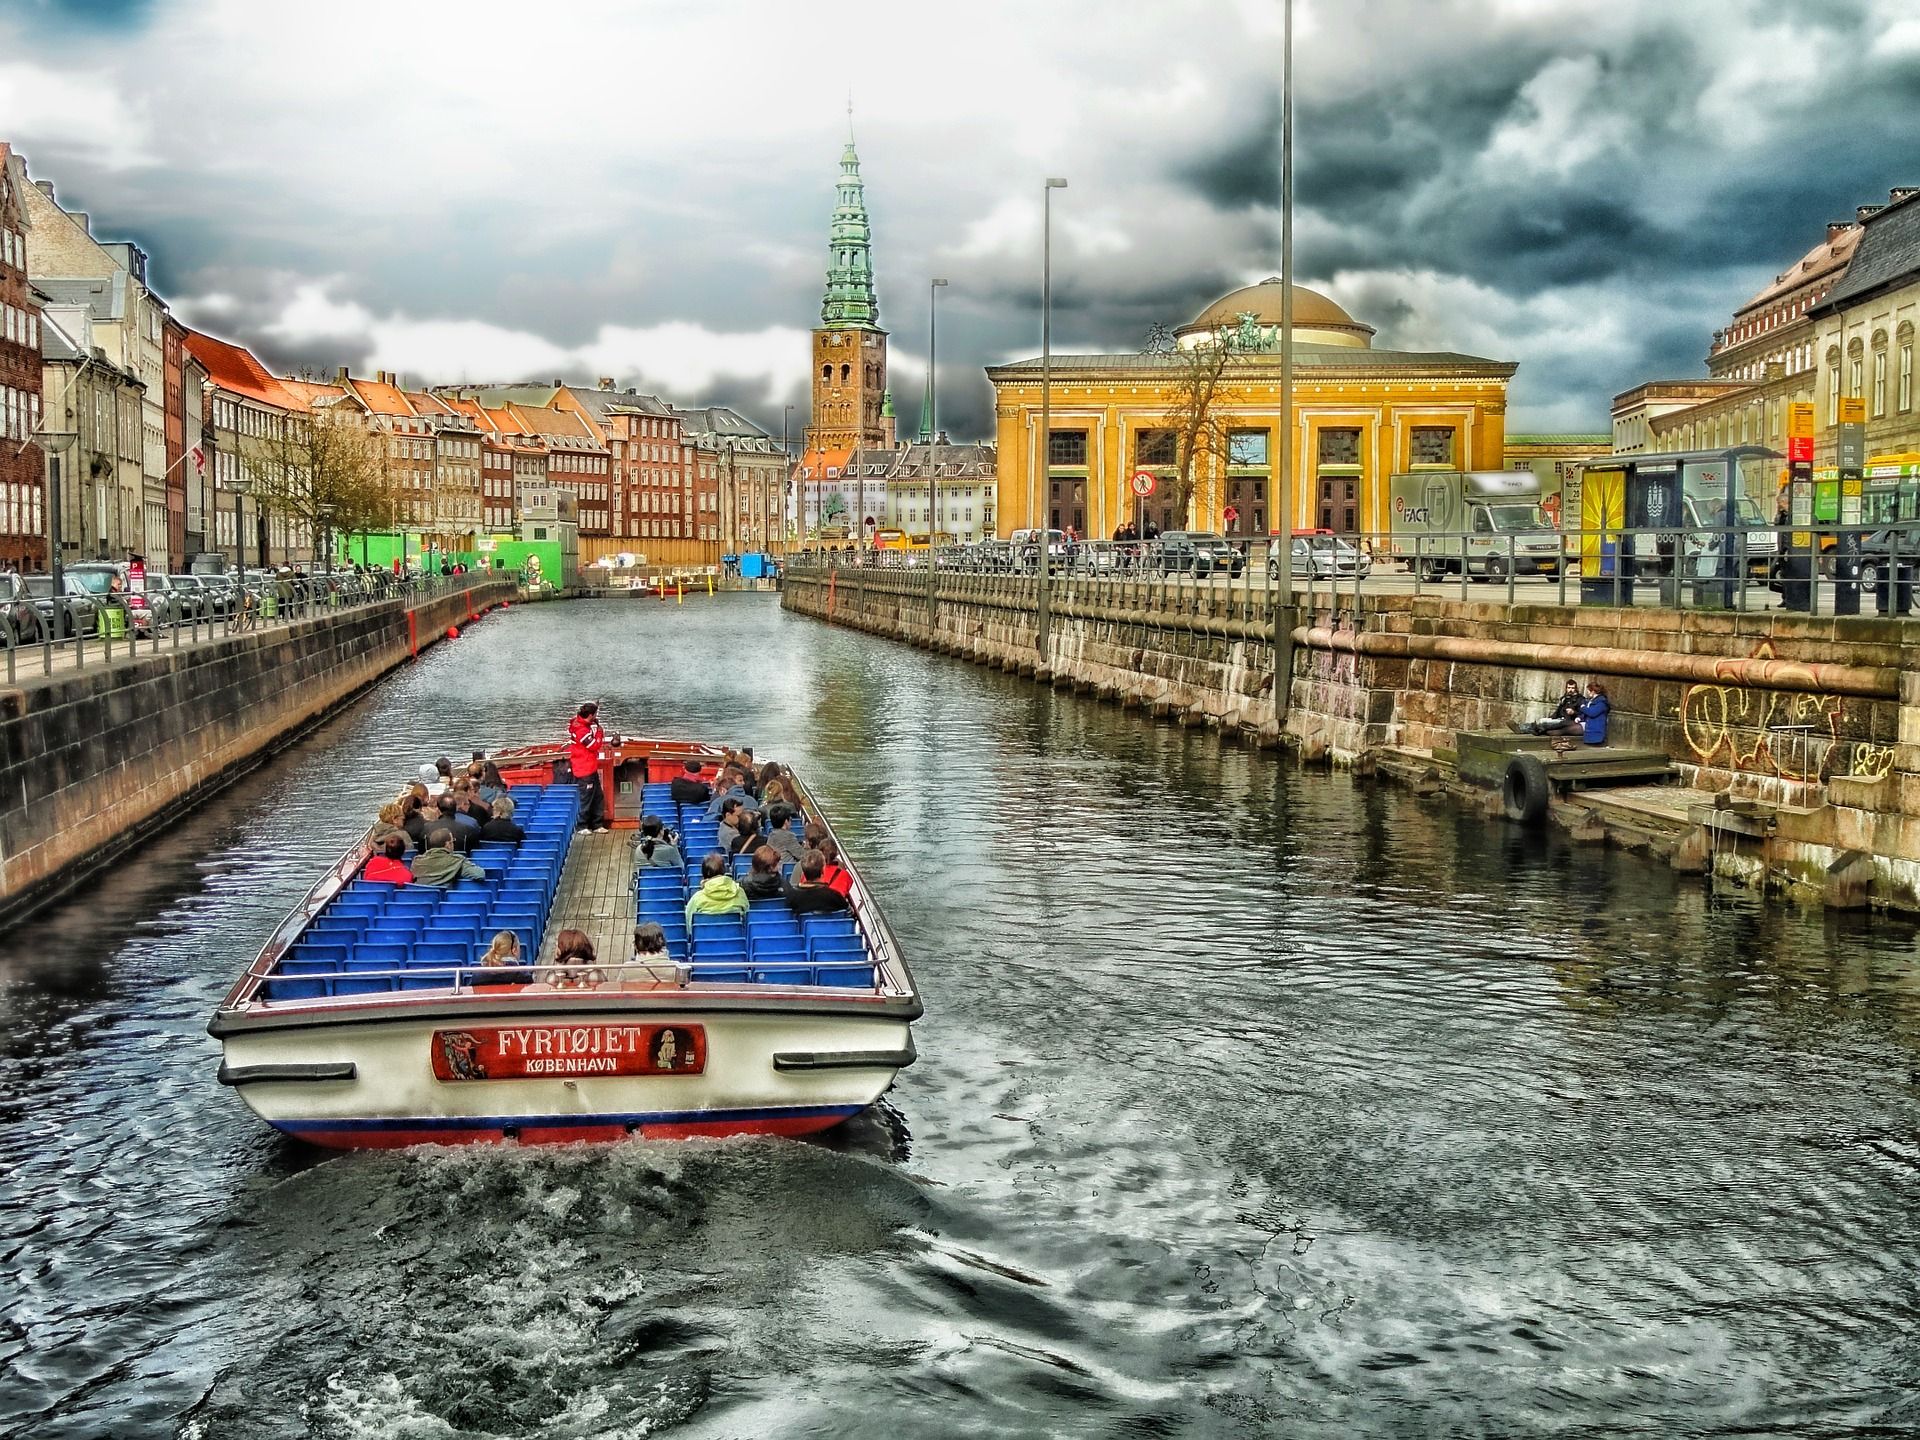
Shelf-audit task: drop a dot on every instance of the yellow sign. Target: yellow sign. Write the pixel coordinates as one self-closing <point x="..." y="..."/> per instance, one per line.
<point x="1850" y="487"/>
<point x="1853" y="410"/>
<point x="1802" y="539"/>
<point x="1800" y="419"/>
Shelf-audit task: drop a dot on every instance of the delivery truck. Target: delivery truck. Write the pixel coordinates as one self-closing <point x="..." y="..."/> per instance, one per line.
<point x="1488" y="521"/>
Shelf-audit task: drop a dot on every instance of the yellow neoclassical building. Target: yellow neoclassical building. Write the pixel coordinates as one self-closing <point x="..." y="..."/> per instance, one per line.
<point x="1360" y="416"/>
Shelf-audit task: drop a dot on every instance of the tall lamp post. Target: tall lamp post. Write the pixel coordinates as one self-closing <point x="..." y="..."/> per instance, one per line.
<point x="54" y="445"/>
<point x="1283" y="496"/>
<point x="1046" y="408"/>
<point x="240" y="485"/>
<point x="934" y="287"/>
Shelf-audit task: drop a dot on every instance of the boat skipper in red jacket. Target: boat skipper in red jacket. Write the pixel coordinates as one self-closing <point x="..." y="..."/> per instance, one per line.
<point x="585" y="743"/>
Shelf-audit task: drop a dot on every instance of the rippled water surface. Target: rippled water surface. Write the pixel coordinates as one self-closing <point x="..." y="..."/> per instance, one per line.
<point x="1251" y="1102"/>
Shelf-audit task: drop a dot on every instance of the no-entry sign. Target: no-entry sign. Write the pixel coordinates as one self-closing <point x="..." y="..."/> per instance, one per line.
<point x="1143" y="483"/>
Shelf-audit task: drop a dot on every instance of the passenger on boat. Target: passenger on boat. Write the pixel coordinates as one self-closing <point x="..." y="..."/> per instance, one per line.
<point x="719" y="892"/>
<point x="730" y="817"/>
<point x="746" y="830"/>
<point x="732" y="786"/>
<point x="764" y="881"/>
<point x="809" y="894"/>
<point x="650" y="954"/>
<point x="456" y="819"/>
<point x="478" y="810"/>
<point x="500" y="965"/>
<point x="445" y="766"/>
<point x="414" y="815"/>
<point x="440" y="864"/>
<point x="836" y="876"/>
<point x="687" y="788"/>
<point x="392" y="821"/>
<point x="585" y="742"/>
<point x="430" y="779"/>
<point x="659" y="847"/>
<point x="491" y="787"/>
<point x="770" y="773"/>
<point x="579" y="966"/>
<point x="389" y="867"/>
<point x="501" y="826"/>
<point x="780" y="832"/>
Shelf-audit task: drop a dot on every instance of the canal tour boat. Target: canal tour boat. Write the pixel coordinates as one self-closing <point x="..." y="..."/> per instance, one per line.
<point x="366" y="1021"/>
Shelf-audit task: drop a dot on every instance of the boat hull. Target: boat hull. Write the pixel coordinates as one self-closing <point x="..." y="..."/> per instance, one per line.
<point x="373" y="1083"/>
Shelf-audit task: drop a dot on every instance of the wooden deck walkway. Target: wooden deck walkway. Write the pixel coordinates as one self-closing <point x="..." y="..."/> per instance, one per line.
<point x="596" y="895"/>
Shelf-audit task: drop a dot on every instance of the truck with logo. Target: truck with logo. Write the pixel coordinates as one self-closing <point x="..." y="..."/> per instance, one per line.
<point x="1487" y="522"/>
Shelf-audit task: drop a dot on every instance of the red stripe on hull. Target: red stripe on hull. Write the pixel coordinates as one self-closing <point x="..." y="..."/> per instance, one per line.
<point x="789" y="1125"/>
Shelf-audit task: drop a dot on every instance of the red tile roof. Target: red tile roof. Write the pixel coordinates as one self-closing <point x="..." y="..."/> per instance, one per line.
<point x="233" y="367"/>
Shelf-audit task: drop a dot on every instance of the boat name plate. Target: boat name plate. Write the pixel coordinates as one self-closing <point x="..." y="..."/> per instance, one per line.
<point x="541" y="1052"/>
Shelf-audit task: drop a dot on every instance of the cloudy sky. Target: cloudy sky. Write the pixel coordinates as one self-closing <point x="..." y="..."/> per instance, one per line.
<point x="481" y="191"/>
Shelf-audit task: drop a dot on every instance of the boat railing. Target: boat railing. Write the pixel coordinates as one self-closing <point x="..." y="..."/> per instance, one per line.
<point x="891" y="973"/>
<point x="466" y="979"/>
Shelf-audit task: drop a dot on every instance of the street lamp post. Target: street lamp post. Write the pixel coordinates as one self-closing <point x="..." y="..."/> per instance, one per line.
<point x="934" y="287"/>
<point x="1046" y="409"/>
<point x="1283" y="496"/>
<point x="324" y="514"/>
<point x="240" y="485"/>
<point x="53" y="445"/>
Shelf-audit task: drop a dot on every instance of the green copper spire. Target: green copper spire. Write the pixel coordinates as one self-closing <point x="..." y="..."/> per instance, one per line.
<point x="850" y="300"/>
<point x="886" y="405"/>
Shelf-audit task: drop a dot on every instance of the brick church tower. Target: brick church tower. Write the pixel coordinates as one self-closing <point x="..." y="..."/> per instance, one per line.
<point x="850" y="409"/>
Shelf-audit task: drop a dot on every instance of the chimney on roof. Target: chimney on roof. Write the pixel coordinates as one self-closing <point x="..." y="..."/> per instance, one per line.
<point x="340" y="376"/>
<point x="606" y="382"/>
<point x="558" y="382"/>
<point x="1864" y="211"/>
<point x="1901" y="192"/>
<point x="1837" y="228"/>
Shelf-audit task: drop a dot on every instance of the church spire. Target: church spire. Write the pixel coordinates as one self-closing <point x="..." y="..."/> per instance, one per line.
<point x="850" y="301"/>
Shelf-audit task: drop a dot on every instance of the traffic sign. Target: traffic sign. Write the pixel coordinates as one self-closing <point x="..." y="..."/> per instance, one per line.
<point x="1143" y="483"/>
<point x="1853" y="410"/>
<point x="1800" y="447"/>
<point x="1799" y="418"/>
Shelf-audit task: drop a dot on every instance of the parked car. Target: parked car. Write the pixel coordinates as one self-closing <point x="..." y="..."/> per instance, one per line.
<point x="82" y="610"/>
<point x="1196" y="552"/>
<point x="27" y="627"/>
<point x="196" y="597"/>
<point x="1897" y="546"/>
<point x="1325" y="557"/>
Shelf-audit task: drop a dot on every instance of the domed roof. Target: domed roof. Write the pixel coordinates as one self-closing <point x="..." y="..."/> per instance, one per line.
<point x="1311" y="311"/>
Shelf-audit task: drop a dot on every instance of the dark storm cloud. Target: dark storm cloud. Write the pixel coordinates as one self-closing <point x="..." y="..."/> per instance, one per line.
<point x="1246" y="169"/>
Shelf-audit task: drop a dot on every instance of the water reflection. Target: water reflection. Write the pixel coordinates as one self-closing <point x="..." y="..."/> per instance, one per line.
<point x="1251" y="1102"/>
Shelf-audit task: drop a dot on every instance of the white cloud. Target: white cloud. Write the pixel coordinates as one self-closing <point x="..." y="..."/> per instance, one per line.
<point x="83" y="111"/>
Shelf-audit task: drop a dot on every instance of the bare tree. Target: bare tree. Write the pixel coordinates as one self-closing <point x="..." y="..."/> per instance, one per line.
<point x="324" y="471"/>
<point x="1202" y="372"/>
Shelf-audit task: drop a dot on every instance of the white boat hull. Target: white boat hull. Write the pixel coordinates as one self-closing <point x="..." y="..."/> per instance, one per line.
<point x="374" y="1082"/>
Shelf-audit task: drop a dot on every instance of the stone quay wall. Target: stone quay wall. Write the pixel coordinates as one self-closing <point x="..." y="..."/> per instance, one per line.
<point x="1813" y="720"/>
<point x="92" y="762"/>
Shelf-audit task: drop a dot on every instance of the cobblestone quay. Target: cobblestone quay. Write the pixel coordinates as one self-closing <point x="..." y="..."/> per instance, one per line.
<point x="1814" y="719"/>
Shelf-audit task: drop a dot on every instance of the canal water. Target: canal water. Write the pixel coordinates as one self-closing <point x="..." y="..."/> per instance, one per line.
<point x="1251" y="1102"/>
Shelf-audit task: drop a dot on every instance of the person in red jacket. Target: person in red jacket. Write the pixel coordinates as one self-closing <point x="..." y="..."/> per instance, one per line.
<point x="585" y="741"/>
<point x="389" y="866"/>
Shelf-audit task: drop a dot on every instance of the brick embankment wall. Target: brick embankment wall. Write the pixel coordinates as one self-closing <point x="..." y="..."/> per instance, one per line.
<point x="95" y="761"/>
<point x="1817" y="718"/>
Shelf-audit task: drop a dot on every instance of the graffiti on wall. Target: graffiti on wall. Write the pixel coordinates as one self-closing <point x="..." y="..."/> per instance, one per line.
<point x="1788" y="735"/>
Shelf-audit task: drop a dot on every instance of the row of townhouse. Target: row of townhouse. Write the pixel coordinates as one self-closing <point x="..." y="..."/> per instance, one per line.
<point x="158" y="436"/>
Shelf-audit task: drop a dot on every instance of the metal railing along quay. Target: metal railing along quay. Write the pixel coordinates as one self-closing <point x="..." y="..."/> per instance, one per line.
<point x="1833" y="571"/>
<point x="102" y="630"/>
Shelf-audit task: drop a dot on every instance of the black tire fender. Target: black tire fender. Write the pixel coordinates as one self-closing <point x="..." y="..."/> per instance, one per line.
<point x="1525" y="790"/>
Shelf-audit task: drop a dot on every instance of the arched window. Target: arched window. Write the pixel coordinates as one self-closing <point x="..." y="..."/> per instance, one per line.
<point x="826" y="372"/>
<point x="846" y="374"/>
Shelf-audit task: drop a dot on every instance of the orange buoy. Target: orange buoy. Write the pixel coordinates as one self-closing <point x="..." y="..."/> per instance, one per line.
<point x="453" y="632"/>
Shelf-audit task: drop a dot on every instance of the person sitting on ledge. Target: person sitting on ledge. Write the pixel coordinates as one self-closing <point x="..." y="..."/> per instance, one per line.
<point x="764" y="881"/>
<point x="719" y="892"/>
<point x="658" y="849"/>
<point x="1565" y="719"/>
<point x="440" y="864"/>
<point x="688" y="788"/>
<point x="389" y="867"/>
<point x="810" y="894"/>
<point x="1593" y="714"/>
<point x="501" y="826"/>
